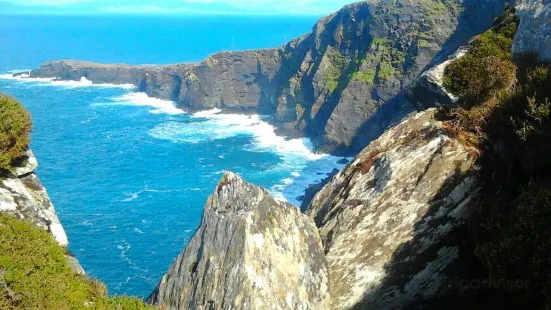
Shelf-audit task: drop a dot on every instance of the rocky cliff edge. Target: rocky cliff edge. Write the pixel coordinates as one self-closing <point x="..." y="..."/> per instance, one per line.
<point x="250" y="252"/>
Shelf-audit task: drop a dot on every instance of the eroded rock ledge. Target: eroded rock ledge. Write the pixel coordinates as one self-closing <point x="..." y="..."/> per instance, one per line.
<point x="250" y="252"/>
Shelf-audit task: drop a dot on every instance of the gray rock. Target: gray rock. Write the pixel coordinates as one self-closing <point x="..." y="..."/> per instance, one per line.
<point x="342" y="84"/>
<point x="250" y="252"/>
<point x="429" y="91"/>
<point x="26" y="198"/>
<point x="23" y="196"/>
<point x="534" y="32"/>
<point x="386" y="219"/>
<point x="29" y="165"/>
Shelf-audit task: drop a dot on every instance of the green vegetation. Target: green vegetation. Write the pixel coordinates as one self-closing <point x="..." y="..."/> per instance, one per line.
<point x="367" y="76"/>
<point x="504" y="109"/>
<point x="35" y="274"/>
<point x="520" y="247"/>
<point x="15" y="126"/>
<point x="335" y="67"/>
<point x="381" y="63"/>
<point x="487" y="67"/>
<point x="433" y="7"/>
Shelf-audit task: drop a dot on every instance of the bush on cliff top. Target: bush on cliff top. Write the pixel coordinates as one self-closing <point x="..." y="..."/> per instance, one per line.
<point x="506" y="106"/>
<point x="35" y="274"/>
<point x="15" y="126"/>
<point x="518" y="245"/>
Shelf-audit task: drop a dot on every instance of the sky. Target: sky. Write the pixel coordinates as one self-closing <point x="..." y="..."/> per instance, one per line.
<point x="272" y="7"/>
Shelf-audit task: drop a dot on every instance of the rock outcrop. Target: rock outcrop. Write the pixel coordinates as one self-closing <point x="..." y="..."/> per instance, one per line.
<point x="342" y="84"/>
<point x="387" y="220"/>
<point x="250" y="252"/>
<point x="429" y="91"/>
<point x="24" y="196"/>
<point x="534" y="32"/>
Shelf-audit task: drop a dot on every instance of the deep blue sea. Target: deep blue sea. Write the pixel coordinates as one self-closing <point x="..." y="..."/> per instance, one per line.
<point x="129" y="174"/>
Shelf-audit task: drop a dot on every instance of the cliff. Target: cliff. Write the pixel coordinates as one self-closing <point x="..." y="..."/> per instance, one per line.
<point x="250" y="252"/>
<point x="534" y="33"/>
<point x="23" y="196"/>
<point x="342" y="84"/>
<point x="388" y="218"/>
<point x="386" y="222"/>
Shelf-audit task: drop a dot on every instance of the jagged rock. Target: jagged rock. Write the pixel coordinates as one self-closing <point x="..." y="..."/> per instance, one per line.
<point x="250" y="252"/>
<point x="386" y="218"/>
<point x="24" y="196"/>
<point x="534" y="32"/>
<point x="342" y="84"/>
<point x="428" y="91"/>
<point x="28" y="166"/>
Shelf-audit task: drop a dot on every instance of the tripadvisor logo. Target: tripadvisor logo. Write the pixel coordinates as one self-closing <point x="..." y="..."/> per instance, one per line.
<point x="485" y="284"/>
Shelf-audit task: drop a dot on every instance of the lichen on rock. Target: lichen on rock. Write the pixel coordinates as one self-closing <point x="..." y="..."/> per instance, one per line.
<point x="250" y="252"/>
<point x="385" y="218"/>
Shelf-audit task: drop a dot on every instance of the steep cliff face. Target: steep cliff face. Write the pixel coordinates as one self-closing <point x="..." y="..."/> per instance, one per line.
<point x="250" y="252"/>
<point x="534" y="32"/>
<point x="23" y="195"/>
<point x="341" y="84"/>
<point x="347" y="77"/>
<point x="387" y="220"/>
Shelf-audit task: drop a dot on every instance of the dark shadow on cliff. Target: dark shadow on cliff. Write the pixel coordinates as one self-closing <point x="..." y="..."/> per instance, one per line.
<point x="466" y="269"/>
<point x="394" y="109"/>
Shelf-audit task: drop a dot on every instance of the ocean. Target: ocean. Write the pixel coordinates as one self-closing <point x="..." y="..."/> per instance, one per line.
<point x="129" y="174"/>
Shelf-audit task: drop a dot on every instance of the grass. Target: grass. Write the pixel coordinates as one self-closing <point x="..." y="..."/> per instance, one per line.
<point x="35" y="274"/>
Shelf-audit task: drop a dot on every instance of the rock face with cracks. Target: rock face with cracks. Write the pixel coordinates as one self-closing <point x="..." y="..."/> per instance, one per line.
<point x="24" y="196"/>
<point x="385" y="220"/>
<point x="250" y="252"/>
<point x="534" y="32"/>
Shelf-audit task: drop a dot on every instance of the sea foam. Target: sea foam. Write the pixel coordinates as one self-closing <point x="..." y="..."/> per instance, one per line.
<point x="142" y="99"/>
<point x="300" y="164"/>
<point x="25" y="78"/>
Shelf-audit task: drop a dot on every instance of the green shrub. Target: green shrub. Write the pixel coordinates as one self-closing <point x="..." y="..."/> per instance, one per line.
<point x="487" y="67"/>
<point x="517" y="244"/>
<point x="35" y="274"/>
<point x="505" y="105"/>
<point x="15" y="126"/>
<point x="475" y="79"/>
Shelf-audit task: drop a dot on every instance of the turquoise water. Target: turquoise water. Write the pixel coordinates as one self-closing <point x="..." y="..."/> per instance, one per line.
<point x="129" y="174"/>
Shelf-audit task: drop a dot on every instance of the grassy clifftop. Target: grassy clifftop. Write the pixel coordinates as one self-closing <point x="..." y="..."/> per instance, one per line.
<point x="35" y="274"/>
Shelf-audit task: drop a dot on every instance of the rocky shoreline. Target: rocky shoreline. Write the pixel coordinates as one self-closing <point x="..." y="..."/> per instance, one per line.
<point x="341" y="85"/>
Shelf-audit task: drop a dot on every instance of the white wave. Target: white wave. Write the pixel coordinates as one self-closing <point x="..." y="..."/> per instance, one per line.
<point x="19" y="71"/>
<point x="222" y="126"/>
<point x="25" y="78"/>
<point x="291" y="188"/>
<point x="299" y="164"/>
<point x="135" y="195"/>
<point x="142" y="99"/>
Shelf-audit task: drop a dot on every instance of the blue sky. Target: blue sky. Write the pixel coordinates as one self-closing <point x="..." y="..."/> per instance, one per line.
<point x="278" y="7"/>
